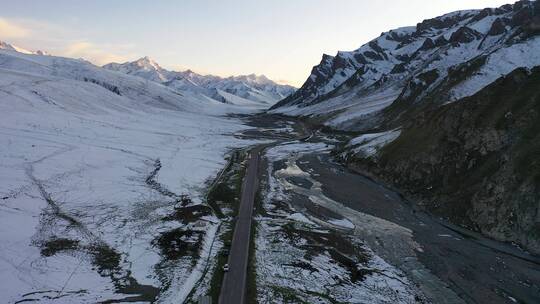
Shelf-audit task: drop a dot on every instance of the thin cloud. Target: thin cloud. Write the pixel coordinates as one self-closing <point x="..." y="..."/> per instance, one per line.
<point x="92" y="52"/>
<point x="60" y="41"/>
<point x="10" y="30"/>
<point x="287" y="82"/>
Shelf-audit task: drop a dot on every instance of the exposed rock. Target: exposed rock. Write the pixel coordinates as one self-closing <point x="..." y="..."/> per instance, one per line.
<point x="464" y="35"/>
<point x="399" y="68"/>
<point x="476" y="161"/>
<point x="440" y="23"/>
<point x="483" y="14"/>
<point x="497" y="27"/>
<point x="428" y="45"/>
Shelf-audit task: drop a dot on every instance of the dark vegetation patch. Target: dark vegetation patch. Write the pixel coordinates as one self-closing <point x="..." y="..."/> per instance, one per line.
<point x="338" y="246"/>
<point x="48" y="294"/>
<point x="252" y="263"/>
<point x="303" y="265"/>
<point x="105" y="85"/>
<point x="223" y="256"/>
<point x="226" y="191"/>
<point x="177" y="243"/>
<point x="56" y="245"/>
<point x="107" y="263"/>
<point x="188" y="214"/>
<point x="288" y="295"/>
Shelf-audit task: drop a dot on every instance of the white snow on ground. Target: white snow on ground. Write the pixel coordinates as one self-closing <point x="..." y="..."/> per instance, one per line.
<point x="74" y="165"/>
<point x="300" y="218"/>
<point x="369" y="144"/>
<point x="369" y="104"/>
<point x="346" y="108"/>
<point x="500" y="63"/>
<point x="345" y="223"/>
<point x="179" y="295"/>
<point x="292" y="268"/>
<point x="239" y="101"/>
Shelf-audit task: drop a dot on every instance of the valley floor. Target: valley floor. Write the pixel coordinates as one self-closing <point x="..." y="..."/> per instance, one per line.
<point x="107" y="207"/>
<point x="141" y="208"/>
<point x="327" y="235"/>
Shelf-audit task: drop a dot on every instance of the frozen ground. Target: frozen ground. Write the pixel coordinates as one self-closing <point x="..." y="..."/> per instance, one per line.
<point x="367" y="145"/>
<point x="309" y="248"/>
<point x="97" y="173"/>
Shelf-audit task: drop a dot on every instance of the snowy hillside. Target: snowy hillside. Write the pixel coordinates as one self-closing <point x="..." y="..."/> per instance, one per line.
<point x="93" y="162"/>
<point x="241" y="90"/>
<point x="451" y="56"/>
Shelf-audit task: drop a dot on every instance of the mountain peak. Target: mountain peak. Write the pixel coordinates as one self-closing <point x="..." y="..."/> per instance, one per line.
<point x="11" y="47"/>
<point x="445" y="42"/>
<point x="251" y="87"/>
<point x="147" y="62"/>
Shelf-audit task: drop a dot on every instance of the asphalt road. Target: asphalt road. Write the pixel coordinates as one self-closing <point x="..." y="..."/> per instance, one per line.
<point x="233" y="288"/>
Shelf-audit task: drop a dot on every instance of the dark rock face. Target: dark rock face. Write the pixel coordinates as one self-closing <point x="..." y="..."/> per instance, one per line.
<point x="373" y="55"/>
<point x="440" y="23"/>
<point x="527" y="15"/>
<point x="440" y="41"/>
<point x="475" y="161"/>
<point x="360" y="58"/>
<point x="464" y="35"/>
<point x="497" y="27"/>
<point x="428" y="45"/>
<point x="399" y="68"/>
<point x="483" y="14"/>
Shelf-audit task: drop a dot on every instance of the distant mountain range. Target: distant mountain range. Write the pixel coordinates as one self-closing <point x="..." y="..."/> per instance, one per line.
<point x="97" y="85"/>
<point x="70" y="130"/>
<point x="11" y="47"/>
<point x="245" y="89"/>
<point x="447" y="112"/>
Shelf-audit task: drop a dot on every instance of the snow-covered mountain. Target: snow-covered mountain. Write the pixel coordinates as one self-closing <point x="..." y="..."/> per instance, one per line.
<point x="454" y="55"/>
<point x="245" y="89"/>
<point x="93" y="164"/>
<point x="447" y="112"/>
<point x="11" y="47"/>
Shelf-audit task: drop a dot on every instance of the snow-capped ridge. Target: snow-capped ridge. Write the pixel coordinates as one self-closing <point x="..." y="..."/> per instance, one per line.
<point x="447" y="56"/>
<point x="11" y="47"/>
<point x="242" y="89"/>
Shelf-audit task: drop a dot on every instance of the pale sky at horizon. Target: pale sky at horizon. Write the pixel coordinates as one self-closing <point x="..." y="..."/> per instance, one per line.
<point x="280" y="39"/>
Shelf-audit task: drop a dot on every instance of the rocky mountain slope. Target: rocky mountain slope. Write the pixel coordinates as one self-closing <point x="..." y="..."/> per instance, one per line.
<point x="475" y="162"/>
<point x="456" y="54"/>
<point x="435" y="118"/>
<point x="240" y="90"/>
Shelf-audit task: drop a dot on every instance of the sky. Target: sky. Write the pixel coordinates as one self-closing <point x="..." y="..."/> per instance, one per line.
<point x="282" y="39"/>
